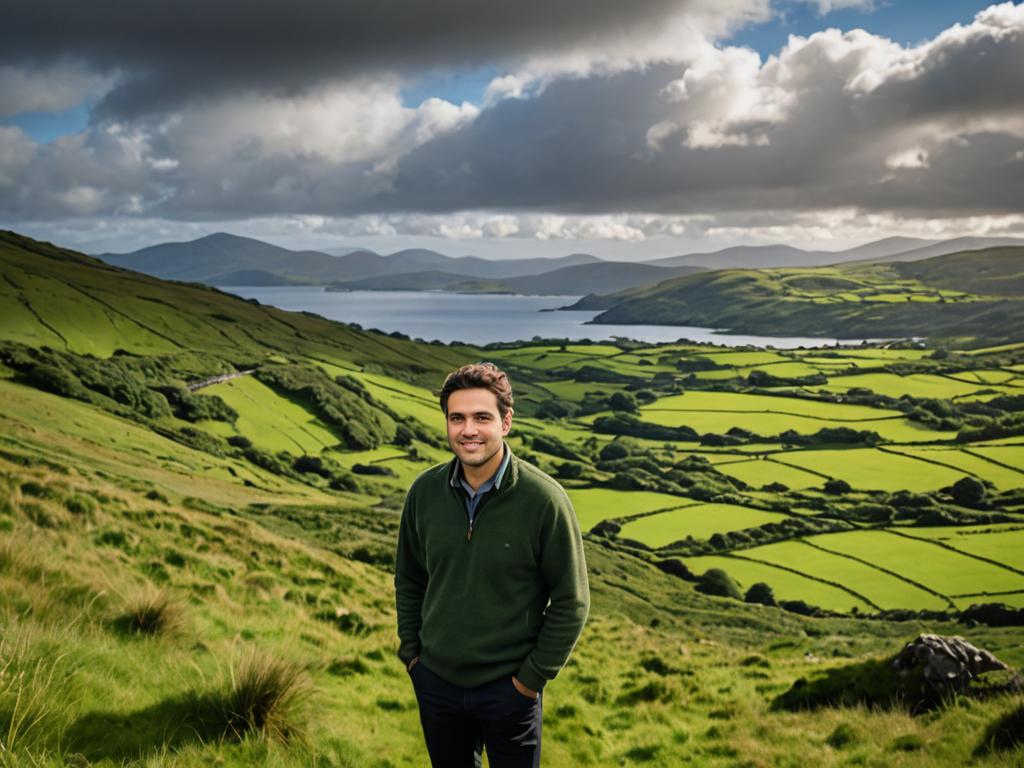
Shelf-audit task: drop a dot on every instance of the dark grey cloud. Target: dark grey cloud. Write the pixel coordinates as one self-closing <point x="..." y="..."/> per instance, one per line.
<point x="581" y="145"/>
<point x="171" y="52"/>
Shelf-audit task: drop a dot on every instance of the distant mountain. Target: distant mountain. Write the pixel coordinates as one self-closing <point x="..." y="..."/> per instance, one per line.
<point x="580" y="279"/>
<point x="221" y="259"/>
<point x="975" y="295"/>
<point x="887" y="249"/>
<point x="606" y="277"/>
<point x="747" y="256"/>
<point x="883" y="249"/>
<point x="955" y="245"/>
<point x="345" y="251"/>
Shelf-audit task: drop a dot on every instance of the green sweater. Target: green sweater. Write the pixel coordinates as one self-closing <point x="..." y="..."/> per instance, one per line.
<point x="477" y="608"/>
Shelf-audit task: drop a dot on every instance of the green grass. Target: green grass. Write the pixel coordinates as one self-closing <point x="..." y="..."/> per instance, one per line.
<point x="760" y="472"/>
<point x="917" y="385"/>
<point x="593" y="505"/>
<point x="882" y="589"/>
<point x="1001" y="476"/>
<point x="699" y="521"/>
<point x="1004" y="544"/>
<point x="785" y="584"/>
<point x="271" y="422"/>
<point x="938" y="568"/>
<point x="871" y="469"/>
<point x="747" y="403"/>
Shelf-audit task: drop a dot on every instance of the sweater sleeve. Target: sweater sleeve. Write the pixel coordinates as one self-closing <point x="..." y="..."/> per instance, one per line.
<point x="565" y="571"/>
<point x="410" y="583"/>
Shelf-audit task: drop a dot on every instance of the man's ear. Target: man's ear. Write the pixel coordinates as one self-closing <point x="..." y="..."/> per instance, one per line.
<point x="506" y="422"/>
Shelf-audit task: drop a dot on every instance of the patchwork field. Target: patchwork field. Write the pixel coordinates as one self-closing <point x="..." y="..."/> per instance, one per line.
<point x="593" y="505"/>
<point x="699" y="521"/>
<point x="949" y="573"/>
<point x="870" y="468"/>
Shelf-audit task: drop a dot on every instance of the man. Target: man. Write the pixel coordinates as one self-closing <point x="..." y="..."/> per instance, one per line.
<point x="490" y="582"/>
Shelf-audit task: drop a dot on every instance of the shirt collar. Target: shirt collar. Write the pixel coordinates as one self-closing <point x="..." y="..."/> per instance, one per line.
<point x="455" y="478"/>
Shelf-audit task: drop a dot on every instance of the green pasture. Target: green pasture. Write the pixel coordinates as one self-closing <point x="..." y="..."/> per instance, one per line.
<point x="739" y="402"/>
<point x="577" y="390"/>
<point x="784" y="583"/>
<point x="1010" y="455"/>
<point x="593" y="505"/>
<point x="965" y="461"/>
<point x="871" y="469"/>
<point x="786" y="369"/>
<point x="1003" y="543"/>
<point x="916" y="385"/>
<point x="994" y="350"/>
<point x="881" y="588"/>
<point x="760" y="472"/>
<point x="899" y="430"/>
<point x="699" y="521"/>
<point x="122" y="449"/>
<point x="272" y="422"/>
<point x="984" y="376"/>
<point x="77" y="320"/>
<point x="938" y="568"/>
<point x="746" y="359"/>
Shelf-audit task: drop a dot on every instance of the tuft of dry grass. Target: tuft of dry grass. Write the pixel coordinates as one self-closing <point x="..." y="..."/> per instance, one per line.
<point x="268" y="695"/>
<point x="152" y="612"/>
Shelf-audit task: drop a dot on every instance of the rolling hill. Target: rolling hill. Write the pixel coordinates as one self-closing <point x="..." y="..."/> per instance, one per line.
<point x="199" y="499"/>
<point x="974" y="294"/>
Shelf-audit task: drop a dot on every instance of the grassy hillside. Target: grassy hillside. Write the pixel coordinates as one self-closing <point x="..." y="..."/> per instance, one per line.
<point x="199" y="499"/>
<point x="974" y="295"/>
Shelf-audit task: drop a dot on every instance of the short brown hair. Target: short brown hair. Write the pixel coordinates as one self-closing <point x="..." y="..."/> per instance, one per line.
<point x="482" y="375"/>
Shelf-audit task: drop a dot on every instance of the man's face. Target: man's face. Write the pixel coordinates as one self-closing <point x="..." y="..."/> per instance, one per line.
<point x="475" y="426"/>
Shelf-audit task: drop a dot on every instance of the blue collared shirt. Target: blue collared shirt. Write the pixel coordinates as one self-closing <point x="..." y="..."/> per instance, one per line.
<point x="473" y="498"/>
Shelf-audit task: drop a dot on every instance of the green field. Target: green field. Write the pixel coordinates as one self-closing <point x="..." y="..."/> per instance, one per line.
<point x="784" y="583"/>
<point x="882" y="589"/>
<point x="938" y="568"/>
<point x="1002" y="543"/>
<point x="918" y="385"/>
<point x="872" y="469"/>
<point x="699" y="521"/>
<point x="593" y="505"/>
<point x="760" y="472"/>
<point x="1002" y="477"/>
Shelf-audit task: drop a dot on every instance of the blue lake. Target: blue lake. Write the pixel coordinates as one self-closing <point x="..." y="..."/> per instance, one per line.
<point x="484" y="318"/>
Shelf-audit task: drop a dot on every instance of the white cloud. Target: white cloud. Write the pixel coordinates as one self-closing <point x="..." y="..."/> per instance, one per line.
<point x="914" y="157"/>
<point x="55" y="88"/>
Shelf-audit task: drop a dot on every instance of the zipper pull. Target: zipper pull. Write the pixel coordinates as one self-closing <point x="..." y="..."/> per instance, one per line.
<point x="469" y="532"/>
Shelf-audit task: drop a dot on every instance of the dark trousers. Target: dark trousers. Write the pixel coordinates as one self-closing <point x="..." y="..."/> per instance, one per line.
<point x="458" y="723"/>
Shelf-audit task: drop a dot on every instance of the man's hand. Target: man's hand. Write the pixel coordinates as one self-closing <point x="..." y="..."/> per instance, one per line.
<point x="411" y="664"/>
<point x="527" y="692"/>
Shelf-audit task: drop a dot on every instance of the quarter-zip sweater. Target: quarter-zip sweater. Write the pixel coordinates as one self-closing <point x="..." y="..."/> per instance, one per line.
<point x="510" y="599"/>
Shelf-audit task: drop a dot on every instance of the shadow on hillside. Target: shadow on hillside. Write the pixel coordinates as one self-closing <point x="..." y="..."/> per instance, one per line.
<point x="1004" y="735"/>
<point x="873" y="683"/>
<point x="169" y="724"/>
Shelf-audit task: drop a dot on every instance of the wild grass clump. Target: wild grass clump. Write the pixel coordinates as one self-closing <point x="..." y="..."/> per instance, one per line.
<point x="267" y="696"/>
<point x="152" y="612"/>
<point x="33" y="693"/>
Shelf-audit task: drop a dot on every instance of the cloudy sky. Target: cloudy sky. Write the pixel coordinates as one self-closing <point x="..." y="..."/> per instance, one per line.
<point x="627" y="130"/>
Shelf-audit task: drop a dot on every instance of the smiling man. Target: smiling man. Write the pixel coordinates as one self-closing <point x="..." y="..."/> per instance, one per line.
<point x="490" y="581"/>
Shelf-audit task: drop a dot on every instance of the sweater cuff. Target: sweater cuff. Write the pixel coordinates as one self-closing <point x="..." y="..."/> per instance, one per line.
<point x="530" y="677"/>
<point x="408" y="652"/>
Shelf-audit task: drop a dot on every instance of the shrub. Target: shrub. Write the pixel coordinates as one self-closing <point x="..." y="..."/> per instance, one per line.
<point x="968" y="492"/>
<point x="717" y="582"/>
<point x="267" y="696"/>
<point x="837" y="487"/>
<point x="613" y="451"/>
<point x="622" y="401"/>
<point x="760" y="593"/>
